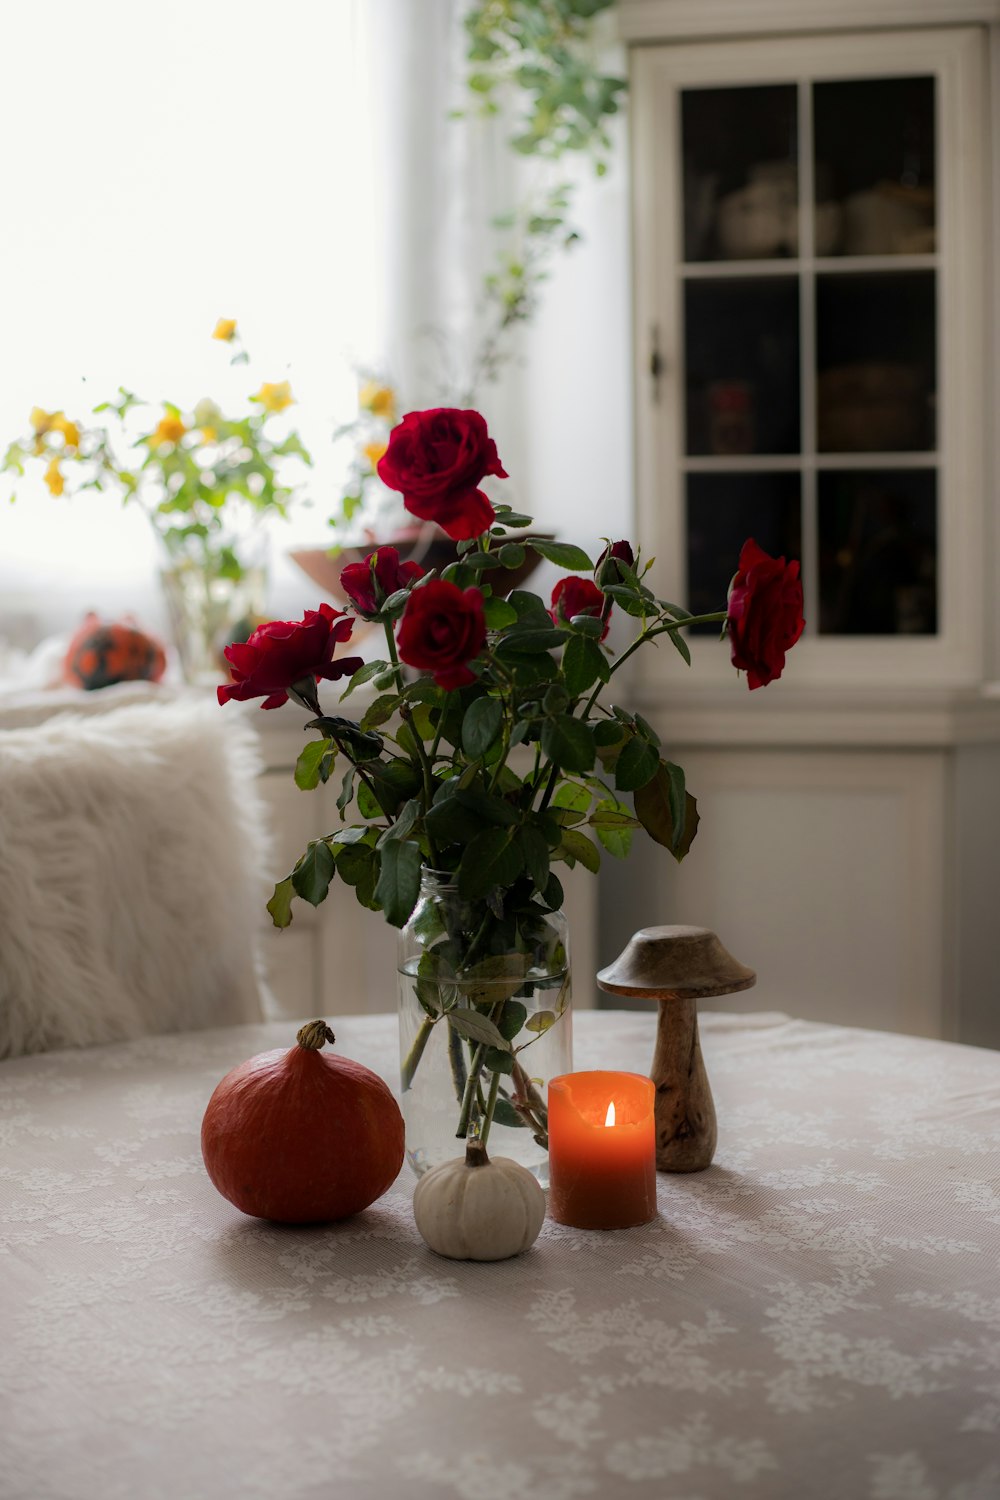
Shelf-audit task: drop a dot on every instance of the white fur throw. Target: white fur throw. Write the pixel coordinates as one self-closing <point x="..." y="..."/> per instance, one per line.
<point x="132" y="852"/>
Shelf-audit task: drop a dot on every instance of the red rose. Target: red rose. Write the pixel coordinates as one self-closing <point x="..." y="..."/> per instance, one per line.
<point x="578" y="596"/>
<point x="368" y="593"/>
<point x="437" y="459"/>
<point x="765" y="614"/>
<point x="614" y="552"/>
<point x="442" y="629"/>
<point x="284" y="652"/>
<point x="622" y="550"/>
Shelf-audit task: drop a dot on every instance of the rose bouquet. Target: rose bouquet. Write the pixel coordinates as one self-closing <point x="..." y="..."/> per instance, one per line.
<point x="490" y="755"/>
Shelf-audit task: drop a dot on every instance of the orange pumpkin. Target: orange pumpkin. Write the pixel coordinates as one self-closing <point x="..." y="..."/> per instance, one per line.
<point x="302" y="1136"/>
<point x="101" y="654"/>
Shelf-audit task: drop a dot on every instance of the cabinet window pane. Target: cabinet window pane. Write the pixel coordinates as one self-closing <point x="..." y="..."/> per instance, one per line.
<point x="741" y="345"/>
<point x="740" y="150"/>
<point x="877" y="552"/>
<point x="875" y="341"/>
<point x="874" y="166"/>
<point x="722" y="511"/>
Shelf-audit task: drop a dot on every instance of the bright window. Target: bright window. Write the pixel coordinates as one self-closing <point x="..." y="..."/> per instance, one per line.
<point x="164" y="168"/>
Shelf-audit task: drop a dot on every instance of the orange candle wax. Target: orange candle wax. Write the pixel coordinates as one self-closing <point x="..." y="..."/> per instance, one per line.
<point x="602" y="1150"/>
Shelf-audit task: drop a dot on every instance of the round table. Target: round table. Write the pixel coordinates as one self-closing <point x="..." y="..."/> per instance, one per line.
<point x="818" y="1314"/>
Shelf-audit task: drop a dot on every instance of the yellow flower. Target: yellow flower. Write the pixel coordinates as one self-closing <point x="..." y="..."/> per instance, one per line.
<point x="170" y="429"/>
<point x="208" y="434"/>
<point x="54" y="479"/>
<point x="373" y="452"/>
<point x="225" y="329"/>
<point x="274" y="397"/>
<point x="70" y="431"/>
<point x="380" y="400"/>
<point x="42" y="420"/>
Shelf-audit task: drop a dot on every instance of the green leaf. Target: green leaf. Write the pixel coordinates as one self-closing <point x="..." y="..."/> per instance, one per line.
<point x="512" y="1018"/>
<point x="581" y="849"/>
<point x="314" y="764"/>
<point x="280" y="904"/>
<point x="381" y="710"/>
<point x="346" y="791"/>
<point x="504" y="1113"/>
<point x="498" y="1062"/>
<point x="313" y="873"/>
<point x="448" y="822"/>
<point x="535" y="851"/>
<point x="568" y="742"/>
<point x="636" y="765"/>
<point x="572" y="795"/>
<point x="630" y="600"/>
<point x="676" y="639"/>
<point x="591" y="625"/>
<point x="399" y="881"/>
<point x="647" y="731"/>
<point x="364" y="674"/>
<point x="531" y="641"/>
<point x="491" y="859"/>
<point x="395" y="782"/>
<point x="498" y="613"/>
<point x="583" y="664"/>
<point x="511" y="554"/>
<point x="477" y="1028"/>
<point x="614" y="826"/>
<point x="563" y="554"/>
<point x="658" y="808"/>
<point x="608" y="732"/>
<point x="488" y="809"/>
<point x="408" y="815"/>
<point x="357" y="866"/>
<point x="495" y="978"/>
<point x="541" y="1021"/>
<point x="481" y="725"/>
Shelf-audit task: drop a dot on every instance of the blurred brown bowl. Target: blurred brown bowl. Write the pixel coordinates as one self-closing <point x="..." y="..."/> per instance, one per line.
<point x="434" y="552"/>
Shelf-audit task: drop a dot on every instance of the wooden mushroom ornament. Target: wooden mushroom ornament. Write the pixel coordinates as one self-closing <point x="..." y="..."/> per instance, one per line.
<point x="678" y="966"/>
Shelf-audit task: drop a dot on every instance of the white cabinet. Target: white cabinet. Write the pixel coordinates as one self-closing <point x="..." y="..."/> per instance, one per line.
<point x="815" y="295"/>
<point x="811" y="350"/>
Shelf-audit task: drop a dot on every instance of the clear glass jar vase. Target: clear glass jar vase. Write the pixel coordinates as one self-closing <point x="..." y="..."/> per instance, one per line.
<point x="460" y="966"/>
<point x="213" y="597"/>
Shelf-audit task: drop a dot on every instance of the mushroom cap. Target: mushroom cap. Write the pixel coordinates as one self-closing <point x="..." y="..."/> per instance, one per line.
<point x="675" y="963"/>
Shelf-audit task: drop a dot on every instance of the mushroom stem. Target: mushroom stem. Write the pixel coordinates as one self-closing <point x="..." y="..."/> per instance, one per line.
<point x="686" y="1130"/>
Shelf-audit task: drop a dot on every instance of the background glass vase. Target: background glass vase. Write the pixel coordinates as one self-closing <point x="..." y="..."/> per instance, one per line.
<point x="461" y="965"/>
<point x="212" y="599"/>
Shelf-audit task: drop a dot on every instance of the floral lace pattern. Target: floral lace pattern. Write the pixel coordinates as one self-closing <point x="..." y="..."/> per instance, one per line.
<point x="818" y="1314"/>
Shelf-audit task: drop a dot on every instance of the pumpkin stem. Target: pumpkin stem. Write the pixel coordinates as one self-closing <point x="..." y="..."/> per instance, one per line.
<point x="313" y="1034"/>
<point x="475" y="1154"/>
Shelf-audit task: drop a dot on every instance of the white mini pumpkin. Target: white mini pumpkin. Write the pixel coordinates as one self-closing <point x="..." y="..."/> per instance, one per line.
<point x="473" y="1208"/>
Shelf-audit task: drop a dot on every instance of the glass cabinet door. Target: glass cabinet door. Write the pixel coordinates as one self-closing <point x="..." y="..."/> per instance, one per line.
<point x="860" y="379"/>
<point x="800" y="298"/>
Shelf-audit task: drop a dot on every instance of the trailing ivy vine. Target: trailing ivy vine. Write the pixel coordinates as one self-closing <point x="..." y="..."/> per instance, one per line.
<point x="544" y="58"/>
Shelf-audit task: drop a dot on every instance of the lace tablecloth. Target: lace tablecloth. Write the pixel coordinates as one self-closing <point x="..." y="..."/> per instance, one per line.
<point x="816" y="1315"/>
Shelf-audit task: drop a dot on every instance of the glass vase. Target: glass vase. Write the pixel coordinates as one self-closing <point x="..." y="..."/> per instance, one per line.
<point x="209" y="609"/>
<point x="460" y="965"/>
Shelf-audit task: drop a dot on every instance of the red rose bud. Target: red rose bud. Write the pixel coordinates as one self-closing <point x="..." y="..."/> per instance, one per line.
<point x="437" y="460"/>
<point x="443" y="628"/>
<point x="579" y="596"/>
<point x="614" y="552"/>
<point x="284" y="652"/>
<point x="765" y="614"/>
<point x="368" y="584"/>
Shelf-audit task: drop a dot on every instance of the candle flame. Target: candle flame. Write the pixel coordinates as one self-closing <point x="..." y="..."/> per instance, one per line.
<point x="609" y="1118"/>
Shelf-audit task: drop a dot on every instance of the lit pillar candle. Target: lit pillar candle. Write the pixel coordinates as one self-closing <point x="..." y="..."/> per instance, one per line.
<point x="602" y="1150"/>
